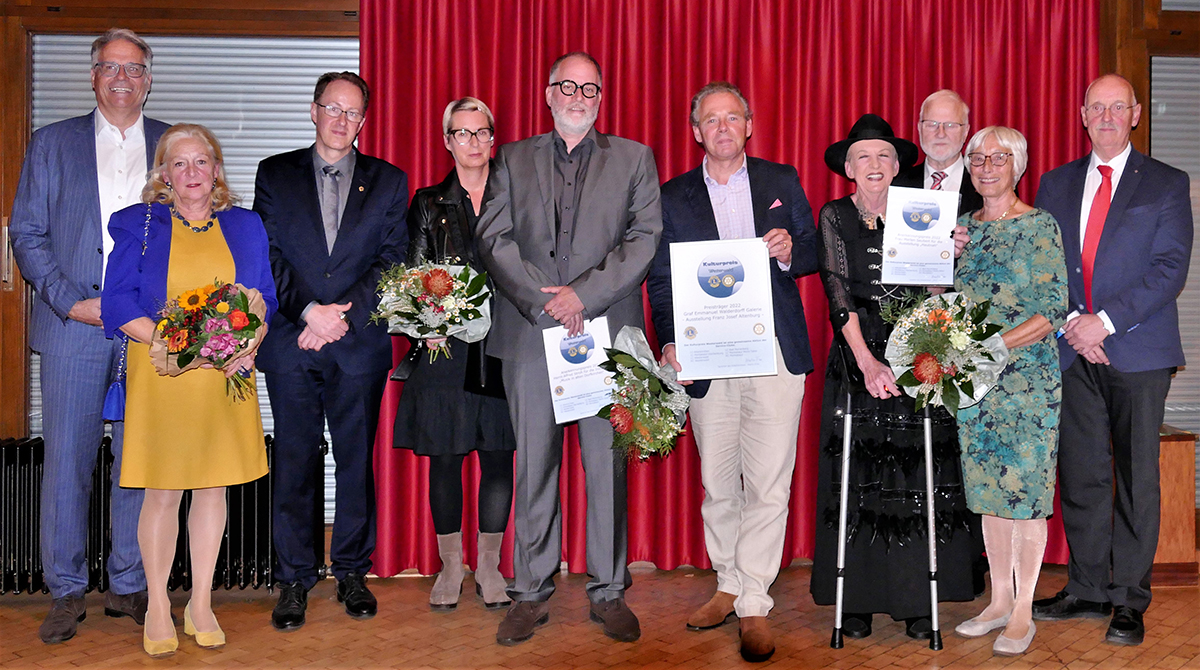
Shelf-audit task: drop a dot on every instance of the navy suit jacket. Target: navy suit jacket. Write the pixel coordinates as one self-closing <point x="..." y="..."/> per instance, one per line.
<point x="57" y="234"/>
<point x="137" y="283"/>
<point x="372" y="237"/>
<point x="1141" y="261"/>
<point x="688" y="217"/>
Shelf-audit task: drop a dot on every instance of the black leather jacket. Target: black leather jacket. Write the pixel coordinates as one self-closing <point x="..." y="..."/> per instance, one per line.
<point x="438" y="226"/>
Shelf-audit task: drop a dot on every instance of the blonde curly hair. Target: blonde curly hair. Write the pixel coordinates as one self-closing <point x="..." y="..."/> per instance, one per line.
<point x="157" y="190"/>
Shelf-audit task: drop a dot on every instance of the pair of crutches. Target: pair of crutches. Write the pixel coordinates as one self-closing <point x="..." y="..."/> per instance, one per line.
<point x="935" y="639"/>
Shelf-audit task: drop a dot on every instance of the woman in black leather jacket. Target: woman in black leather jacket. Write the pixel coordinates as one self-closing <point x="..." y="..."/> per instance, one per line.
<point x="456" y="404"/>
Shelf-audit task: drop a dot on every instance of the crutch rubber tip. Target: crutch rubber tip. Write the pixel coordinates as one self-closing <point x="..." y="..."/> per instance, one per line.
<point x="836" y="641"/>
<point x="935" y="641"/>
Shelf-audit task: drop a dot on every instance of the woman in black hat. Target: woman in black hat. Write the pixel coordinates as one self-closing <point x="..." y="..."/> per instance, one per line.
<point x="887" y="550"/>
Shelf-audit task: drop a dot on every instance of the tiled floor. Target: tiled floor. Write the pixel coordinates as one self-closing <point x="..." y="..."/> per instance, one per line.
<point x="406" y="634"/>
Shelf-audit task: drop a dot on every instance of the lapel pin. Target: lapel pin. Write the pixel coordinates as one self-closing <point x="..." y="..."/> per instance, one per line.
<point x="361" y="189"/>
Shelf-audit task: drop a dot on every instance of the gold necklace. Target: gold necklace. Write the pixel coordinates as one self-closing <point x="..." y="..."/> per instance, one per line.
<point x="1010" y="208"/>
<point x="868" y="217"/>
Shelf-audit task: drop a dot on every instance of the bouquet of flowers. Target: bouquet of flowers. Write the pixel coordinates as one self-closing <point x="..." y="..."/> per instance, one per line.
<point x="431" y="301"/>
<point x="944" y="352"/>
<point x="214" y="324"/>
<point x="648" y="406"/>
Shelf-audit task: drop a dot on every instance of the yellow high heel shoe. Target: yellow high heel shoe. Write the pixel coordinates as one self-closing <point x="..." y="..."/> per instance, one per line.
<point x="207" y="640"/>
<point x="160" y="648"/>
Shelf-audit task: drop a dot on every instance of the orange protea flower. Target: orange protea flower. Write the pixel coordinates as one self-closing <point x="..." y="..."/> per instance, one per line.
<point x="438" y="282"/>
<point x="178" y="341"/>
<point x="621" y="419"/>
<point x="926" y="368"/>
<point x="238" y="319"/>
<point x="193" y="300"/>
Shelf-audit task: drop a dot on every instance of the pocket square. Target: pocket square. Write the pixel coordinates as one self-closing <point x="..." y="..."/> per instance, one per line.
<point x="775" y="204"/>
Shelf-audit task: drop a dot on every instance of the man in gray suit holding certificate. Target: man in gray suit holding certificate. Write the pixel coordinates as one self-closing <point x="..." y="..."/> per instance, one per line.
<point x="568" y="235"/>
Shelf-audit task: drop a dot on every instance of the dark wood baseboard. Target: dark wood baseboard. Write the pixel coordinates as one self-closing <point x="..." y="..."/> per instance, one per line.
<point x="1176" y="574"/>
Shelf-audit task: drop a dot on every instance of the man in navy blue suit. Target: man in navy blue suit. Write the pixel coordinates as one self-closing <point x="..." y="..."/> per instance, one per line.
<point x="78" y="172"/>
<point x="1127" y="231"/>
<point x="335" y="220"/>
<point x="745" y="428"/>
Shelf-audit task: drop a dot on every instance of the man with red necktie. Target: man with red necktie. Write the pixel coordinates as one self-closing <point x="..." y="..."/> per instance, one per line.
<point x="1126" y="227"/>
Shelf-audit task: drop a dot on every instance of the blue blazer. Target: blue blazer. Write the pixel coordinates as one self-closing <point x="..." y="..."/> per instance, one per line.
<point x="57" y="232"/>
<point x="137" y="284"/>
<point x="372" y="237"/>
<point x="1141" y="262"/>
<point x="688" y="217"/>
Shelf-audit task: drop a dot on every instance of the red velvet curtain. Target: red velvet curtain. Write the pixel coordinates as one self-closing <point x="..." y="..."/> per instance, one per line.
<point x="809" y="69"/>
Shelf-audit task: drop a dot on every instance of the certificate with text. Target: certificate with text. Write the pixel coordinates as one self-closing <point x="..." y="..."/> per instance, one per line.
<point x="724" y="319"/>
<point x="579" y="387"/>
<point x="918" y="242"/>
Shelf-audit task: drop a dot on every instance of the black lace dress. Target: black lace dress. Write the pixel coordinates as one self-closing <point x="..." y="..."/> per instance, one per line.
<point x="887" y="553"/>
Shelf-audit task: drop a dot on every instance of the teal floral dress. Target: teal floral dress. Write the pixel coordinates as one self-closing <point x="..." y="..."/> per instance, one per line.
<point x="1010" y="440"/>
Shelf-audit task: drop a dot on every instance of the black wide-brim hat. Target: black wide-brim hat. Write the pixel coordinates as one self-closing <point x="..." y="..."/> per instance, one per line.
<point x="870" y="127"/>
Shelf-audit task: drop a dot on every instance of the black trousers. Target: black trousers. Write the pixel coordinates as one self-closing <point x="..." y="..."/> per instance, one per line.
<point x="301" y="400"/>
<point x="1108" y="470"/>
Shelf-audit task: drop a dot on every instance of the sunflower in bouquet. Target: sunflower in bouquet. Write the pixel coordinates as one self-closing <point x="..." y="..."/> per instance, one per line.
<point x="214" y="324"/>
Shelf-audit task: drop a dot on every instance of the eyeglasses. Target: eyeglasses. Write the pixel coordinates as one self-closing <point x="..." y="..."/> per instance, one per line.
<point x="463" y="136"/>
<point x="569" y="87"/>
<point x="998" y="159"/>
<point x="352" y="115"/>
<point x="948" y="126"/>
<point x="110" y="69"/>
<point x="1117" y="109"/>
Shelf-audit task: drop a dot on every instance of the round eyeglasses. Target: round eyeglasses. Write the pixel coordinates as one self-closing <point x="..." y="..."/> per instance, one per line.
<point x="998" y="159"/>
<point x="569" y="87"/>
<point x="463" y="136"/>
<point x="110" y="69"/>
<point x="352" y="115"/>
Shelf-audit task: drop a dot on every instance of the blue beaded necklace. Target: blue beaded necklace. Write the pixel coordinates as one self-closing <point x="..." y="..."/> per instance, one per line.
<point x="195" y="229"/>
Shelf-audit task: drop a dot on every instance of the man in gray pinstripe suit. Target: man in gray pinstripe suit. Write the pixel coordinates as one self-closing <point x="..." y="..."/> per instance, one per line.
<point x="77" y="172"/>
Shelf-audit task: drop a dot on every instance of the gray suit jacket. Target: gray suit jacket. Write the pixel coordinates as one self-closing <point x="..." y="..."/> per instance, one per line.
<point x="56" y="230"/>
<point x="617" y="231"/>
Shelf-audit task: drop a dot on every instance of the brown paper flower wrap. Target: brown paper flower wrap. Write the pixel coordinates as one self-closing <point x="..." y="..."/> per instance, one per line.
<point x="216" y="325"/>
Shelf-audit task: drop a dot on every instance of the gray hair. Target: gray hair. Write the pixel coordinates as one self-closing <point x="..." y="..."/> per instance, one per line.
<point x="467" y="104"/>
<point x="1009" y="138"/>
<point x="717" y="87"/>
<point x="946" y="93"/>
<point x="114" y="34"/>
<point x="576" y="54"/>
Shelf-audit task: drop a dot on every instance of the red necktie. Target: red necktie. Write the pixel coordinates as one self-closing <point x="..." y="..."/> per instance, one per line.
<point x="937" y="181"/>
<point x="1095" y="226"/>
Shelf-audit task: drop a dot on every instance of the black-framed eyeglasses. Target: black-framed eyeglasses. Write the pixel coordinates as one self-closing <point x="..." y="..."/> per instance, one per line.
<point x="998" y="159"/>
<point x="352" y="115"/>
<point x="569" y="87"/>
<point x="948" y="126"/>
<point x="110" y="69"/>
<point x="463" y="136"/>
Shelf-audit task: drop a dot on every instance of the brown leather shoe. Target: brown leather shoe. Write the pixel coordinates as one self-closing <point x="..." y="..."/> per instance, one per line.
<point x="718" y="611"/>
<point x="132" y="605"/>
<point x="757" y="641"/>
<point x="63" y="619"/>
<point x="520" y="621"/>
<point x="620" y="623"/>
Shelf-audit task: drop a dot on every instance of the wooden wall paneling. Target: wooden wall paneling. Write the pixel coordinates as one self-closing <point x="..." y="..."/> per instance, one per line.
<point x="23" y="18"/>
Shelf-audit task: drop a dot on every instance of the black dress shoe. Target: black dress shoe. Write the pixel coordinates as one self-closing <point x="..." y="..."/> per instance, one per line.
<point x="1066" y="606"/>
<point x="63" y="619"/>
<point x="360" y="602"/>
<point x="289" y="611"/>
<point x="919" y="627"/>
<point x="856" y="626"/>
<point x="1126" y="627"/>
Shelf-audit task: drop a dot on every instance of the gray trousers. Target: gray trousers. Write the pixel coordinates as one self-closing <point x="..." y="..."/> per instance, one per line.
<point x="537" y="514"/>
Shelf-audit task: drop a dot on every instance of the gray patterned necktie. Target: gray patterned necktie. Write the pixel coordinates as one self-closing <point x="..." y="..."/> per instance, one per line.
<point x="330" y="204"/>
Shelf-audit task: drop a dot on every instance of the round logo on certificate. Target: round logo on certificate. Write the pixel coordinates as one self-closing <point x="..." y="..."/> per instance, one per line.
<point x="891" y="252"/>
<point x="720" y="275"/>
<point x="920" y="215"/>
<point x="690" y="332"/>
<point x="577" y="349"/>
<point x="558" y="390"/>
<point x="759" y="329"/>
<point x="945" y="255"/>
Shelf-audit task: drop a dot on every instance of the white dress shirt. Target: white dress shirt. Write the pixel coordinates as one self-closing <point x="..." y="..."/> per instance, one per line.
<point x="954" y="175"/>
<point x="121" y="169"/>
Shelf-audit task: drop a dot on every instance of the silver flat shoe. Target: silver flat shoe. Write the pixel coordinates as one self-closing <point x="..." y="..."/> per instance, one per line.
<point x="1005" y="646"/>
<point x="976" y="628"/>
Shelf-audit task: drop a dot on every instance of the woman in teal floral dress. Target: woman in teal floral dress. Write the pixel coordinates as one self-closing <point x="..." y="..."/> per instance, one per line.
<point x="1014" y="258"/>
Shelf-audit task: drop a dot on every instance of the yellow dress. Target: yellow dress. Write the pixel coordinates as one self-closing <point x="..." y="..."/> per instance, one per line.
<point x="184" y="432"/>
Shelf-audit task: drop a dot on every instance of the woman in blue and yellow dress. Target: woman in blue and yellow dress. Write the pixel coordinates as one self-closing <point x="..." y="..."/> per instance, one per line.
<point x="183" y="433"/>
<point x="1014" y="258"/>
